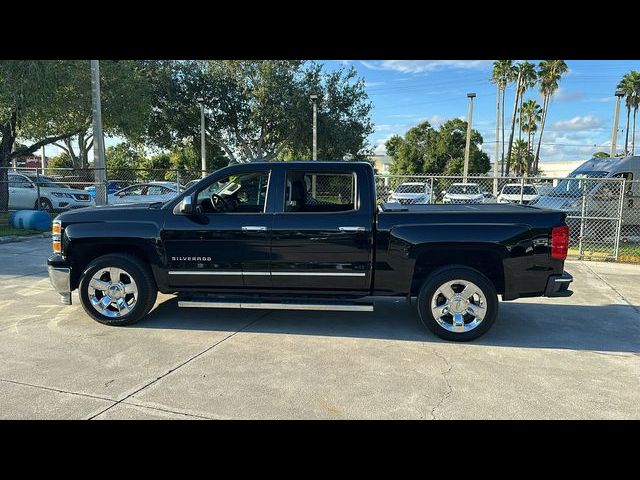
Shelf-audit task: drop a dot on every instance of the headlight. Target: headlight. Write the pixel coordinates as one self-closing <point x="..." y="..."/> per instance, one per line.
<point x="62" y="195"/>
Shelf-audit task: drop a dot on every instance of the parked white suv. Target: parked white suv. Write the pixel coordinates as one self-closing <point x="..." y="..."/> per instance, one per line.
<point x="411" y="192"/>
<point x="23" y="194"/>
<point x="514" y="192"/>
<point x="463" y="193"/>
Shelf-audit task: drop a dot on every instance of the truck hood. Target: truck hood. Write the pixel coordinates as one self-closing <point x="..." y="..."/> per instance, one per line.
<point x="125" y="212"/>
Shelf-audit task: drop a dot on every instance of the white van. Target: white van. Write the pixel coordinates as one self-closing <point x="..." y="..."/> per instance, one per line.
<point x="601" y="196"/>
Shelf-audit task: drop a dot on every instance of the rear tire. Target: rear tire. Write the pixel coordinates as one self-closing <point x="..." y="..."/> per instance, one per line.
<point x="444" y="295"/>
<point x="117" y="289"/>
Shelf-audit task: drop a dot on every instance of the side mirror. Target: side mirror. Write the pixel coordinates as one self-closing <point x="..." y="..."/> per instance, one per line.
<point x="186" y="206"/>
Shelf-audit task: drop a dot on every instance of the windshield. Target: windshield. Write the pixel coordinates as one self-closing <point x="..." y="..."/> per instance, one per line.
<point x="464" y="189"/>
<point x="412" y="188"/>
<point x="515" y="190"/>
<point x="573" y="185"/>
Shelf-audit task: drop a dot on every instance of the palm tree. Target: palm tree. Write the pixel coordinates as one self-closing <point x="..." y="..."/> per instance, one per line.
<point x="630" y="84"/>
<point x="550" y="72"/>
<point x="525" y="79"/>
<point x="518" y="159"/>
<point x="504" y="72"/>
<point x="531" y="114"/>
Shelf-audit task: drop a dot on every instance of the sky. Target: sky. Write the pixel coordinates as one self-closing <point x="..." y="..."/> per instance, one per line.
<point x="406" y="92"/>
<point x="579" y="122"/>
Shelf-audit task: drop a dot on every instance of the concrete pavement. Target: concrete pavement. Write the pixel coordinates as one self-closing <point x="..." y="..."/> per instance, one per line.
<point x="576" y="357"/>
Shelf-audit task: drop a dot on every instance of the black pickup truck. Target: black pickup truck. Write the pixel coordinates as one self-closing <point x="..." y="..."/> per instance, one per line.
<point x="308" y="236"/>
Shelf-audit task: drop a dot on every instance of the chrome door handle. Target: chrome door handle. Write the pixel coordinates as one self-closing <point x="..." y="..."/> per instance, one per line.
<point x="351" y="229"/>
<point x="253" y="228"/>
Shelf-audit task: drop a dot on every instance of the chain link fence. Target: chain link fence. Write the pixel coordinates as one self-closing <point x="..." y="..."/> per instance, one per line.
<point x="603" y="213"/>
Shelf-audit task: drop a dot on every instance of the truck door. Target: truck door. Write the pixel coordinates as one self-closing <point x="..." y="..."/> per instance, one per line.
<point x="227" y="245"/>
<point x="322" y="234"/>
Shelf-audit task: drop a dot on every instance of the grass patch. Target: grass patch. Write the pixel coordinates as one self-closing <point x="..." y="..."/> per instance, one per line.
<point x="626" y="253"/>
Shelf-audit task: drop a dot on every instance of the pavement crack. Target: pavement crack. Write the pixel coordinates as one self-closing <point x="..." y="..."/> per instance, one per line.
<point x="597" y="275"/>
<point x="449" y="391"/>
<point x="58" y="390"/>
<point x="190" y="359"/>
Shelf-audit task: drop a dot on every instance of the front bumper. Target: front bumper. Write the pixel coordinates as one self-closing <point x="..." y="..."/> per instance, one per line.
<point x="60" y="278"/>
<point x="558" y="285"/>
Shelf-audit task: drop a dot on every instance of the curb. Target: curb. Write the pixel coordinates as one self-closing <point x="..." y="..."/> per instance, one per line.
<point x="22" y="238"/>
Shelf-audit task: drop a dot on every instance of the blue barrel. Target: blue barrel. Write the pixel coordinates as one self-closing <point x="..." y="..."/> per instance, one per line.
<point x="31" y="220"/>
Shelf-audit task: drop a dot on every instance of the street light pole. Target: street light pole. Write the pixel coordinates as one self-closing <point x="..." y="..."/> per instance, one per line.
<point x="614" y="132"/>
<point x="468" y="145"/>
<point x="203" y="149"/>
<point x="314" y="98"/>
<point x="98" y="140"/>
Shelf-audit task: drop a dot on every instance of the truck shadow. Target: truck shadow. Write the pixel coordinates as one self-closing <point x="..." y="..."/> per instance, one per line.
<point x="613" y="328"/>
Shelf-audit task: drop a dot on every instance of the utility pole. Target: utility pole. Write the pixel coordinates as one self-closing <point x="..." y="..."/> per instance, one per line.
<point x="468" y="146"/>
<point x="98" y="140"/>
<point x="314" y="98"/>
<point x="43" y="163"/>
<point x="203" y="145"/>
<point x="614" y="132"/>
<point x="497" y="149"/>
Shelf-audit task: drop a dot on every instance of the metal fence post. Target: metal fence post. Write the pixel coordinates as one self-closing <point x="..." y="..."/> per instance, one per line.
<point x="431" y="190"/>
<point x="616" y="245"/>
<point x="178" y="179"/>
<point x="582" y="220"/>
<point x="38" y="189"/>
<point x="521" y="190"/>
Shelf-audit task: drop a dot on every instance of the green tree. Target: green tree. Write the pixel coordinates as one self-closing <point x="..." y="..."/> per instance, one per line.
<point x="260" y="110"/>
<point x="549" y="72"/>
<point x="61" y="161"/>
<point x="526" y="78"/>
<point x="125" y="95"/>
<point x="601" y="155"/>
<point x="520" y="157"/>
<point x="630" y="83"/>
<point x="504" y="73"/>
<point x="424" y="150"/>
<point x="531" y="116"/>
<point x="126" y="161"/>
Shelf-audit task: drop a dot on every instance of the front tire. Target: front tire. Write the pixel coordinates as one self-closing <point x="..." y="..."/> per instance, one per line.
<point x="44" y="204"/>
<point x="117" y="289"/>
<point x="458" y="303"/>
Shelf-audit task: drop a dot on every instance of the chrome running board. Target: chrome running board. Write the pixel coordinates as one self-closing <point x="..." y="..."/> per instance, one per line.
<point x="324" y="306"/>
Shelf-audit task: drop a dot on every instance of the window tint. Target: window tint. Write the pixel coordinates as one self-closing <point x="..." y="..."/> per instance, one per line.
<point x="245" y="193"/>
<point x="319" y="192"/>
<point x="135" y="190"/>
<point x="18" y="181"/>
<point x="157" y="190"/>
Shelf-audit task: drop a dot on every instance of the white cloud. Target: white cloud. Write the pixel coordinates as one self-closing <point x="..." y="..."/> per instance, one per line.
<point x="578" y="123"/>
<point x="423" y="66"/>
<point x="373" y="84"/>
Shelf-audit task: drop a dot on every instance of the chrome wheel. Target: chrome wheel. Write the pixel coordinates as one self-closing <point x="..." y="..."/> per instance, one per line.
<point x="113" y="292"/>
<point x="458" y="306"/>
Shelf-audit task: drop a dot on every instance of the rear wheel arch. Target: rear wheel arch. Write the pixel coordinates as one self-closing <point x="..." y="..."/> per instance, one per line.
<point x="486" y="259"/>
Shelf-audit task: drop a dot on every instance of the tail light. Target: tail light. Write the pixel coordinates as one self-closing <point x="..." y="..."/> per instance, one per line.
<point x="559" y="242"/>
<point x="56" y="236"/>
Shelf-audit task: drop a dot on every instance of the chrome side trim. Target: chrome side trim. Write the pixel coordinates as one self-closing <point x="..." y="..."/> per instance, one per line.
<point x="266" y="274"/>
<point x="277" y="306"/>
<point x="205" y="272"/>
<point x="319" y="274"/>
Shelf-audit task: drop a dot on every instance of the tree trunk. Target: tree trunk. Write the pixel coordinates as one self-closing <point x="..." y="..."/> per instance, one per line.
<point x="545" y="104"/>
<point x="513" y="127"/>
<point x="626" y="134"/>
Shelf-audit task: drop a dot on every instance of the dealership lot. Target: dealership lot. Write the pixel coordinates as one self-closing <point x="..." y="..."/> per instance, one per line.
<point x="576" y="357"/>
